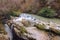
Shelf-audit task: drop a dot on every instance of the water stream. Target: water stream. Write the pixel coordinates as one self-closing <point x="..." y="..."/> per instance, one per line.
<point x="9" y="31"/>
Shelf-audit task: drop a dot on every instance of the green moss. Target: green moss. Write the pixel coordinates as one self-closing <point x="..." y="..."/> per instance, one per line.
<point x="23" y="30"/>
<point x="57" y="31"/>
<point x="39" y="26"/>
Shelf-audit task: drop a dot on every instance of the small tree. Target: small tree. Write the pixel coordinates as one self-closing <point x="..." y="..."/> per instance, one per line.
<point x="47" y="12"/>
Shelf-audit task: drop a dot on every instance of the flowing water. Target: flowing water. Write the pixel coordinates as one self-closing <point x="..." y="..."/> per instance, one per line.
<point x="9" y="31"/>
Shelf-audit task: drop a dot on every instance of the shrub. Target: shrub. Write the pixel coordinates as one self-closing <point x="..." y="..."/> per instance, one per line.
<point x="47" y="12"/>
<point x="14" y="13"/>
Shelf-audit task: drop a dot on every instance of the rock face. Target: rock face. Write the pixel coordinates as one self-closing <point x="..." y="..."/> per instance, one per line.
<point x="32" y="32"/>
<point x="37" y="34"/>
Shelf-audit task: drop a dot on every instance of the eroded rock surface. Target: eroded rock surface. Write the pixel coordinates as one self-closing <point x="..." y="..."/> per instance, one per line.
<point x="29" y="30"/>
<point x="33" y="32"/>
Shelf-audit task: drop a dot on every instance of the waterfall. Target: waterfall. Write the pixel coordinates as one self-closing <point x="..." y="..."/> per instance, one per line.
<point x="9" y="31"/>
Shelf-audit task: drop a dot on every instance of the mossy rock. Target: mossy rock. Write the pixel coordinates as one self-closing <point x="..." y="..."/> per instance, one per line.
<point x="20" y="31"/>
<point x="54" y="29"/>
<point x="26" y="23"/>
<point x="23" y="30"/>
<point x="39" y="26"/>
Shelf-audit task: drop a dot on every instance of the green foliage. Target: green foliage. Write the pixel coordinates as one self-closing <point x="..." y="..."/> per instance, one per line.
<point x="47" y="12"/>
<point x="14" y="13"/>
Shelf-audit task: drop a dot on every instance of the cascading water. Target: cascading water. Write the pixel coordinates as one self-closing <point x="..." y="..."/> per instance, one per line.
<point x="9" y="31"/>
